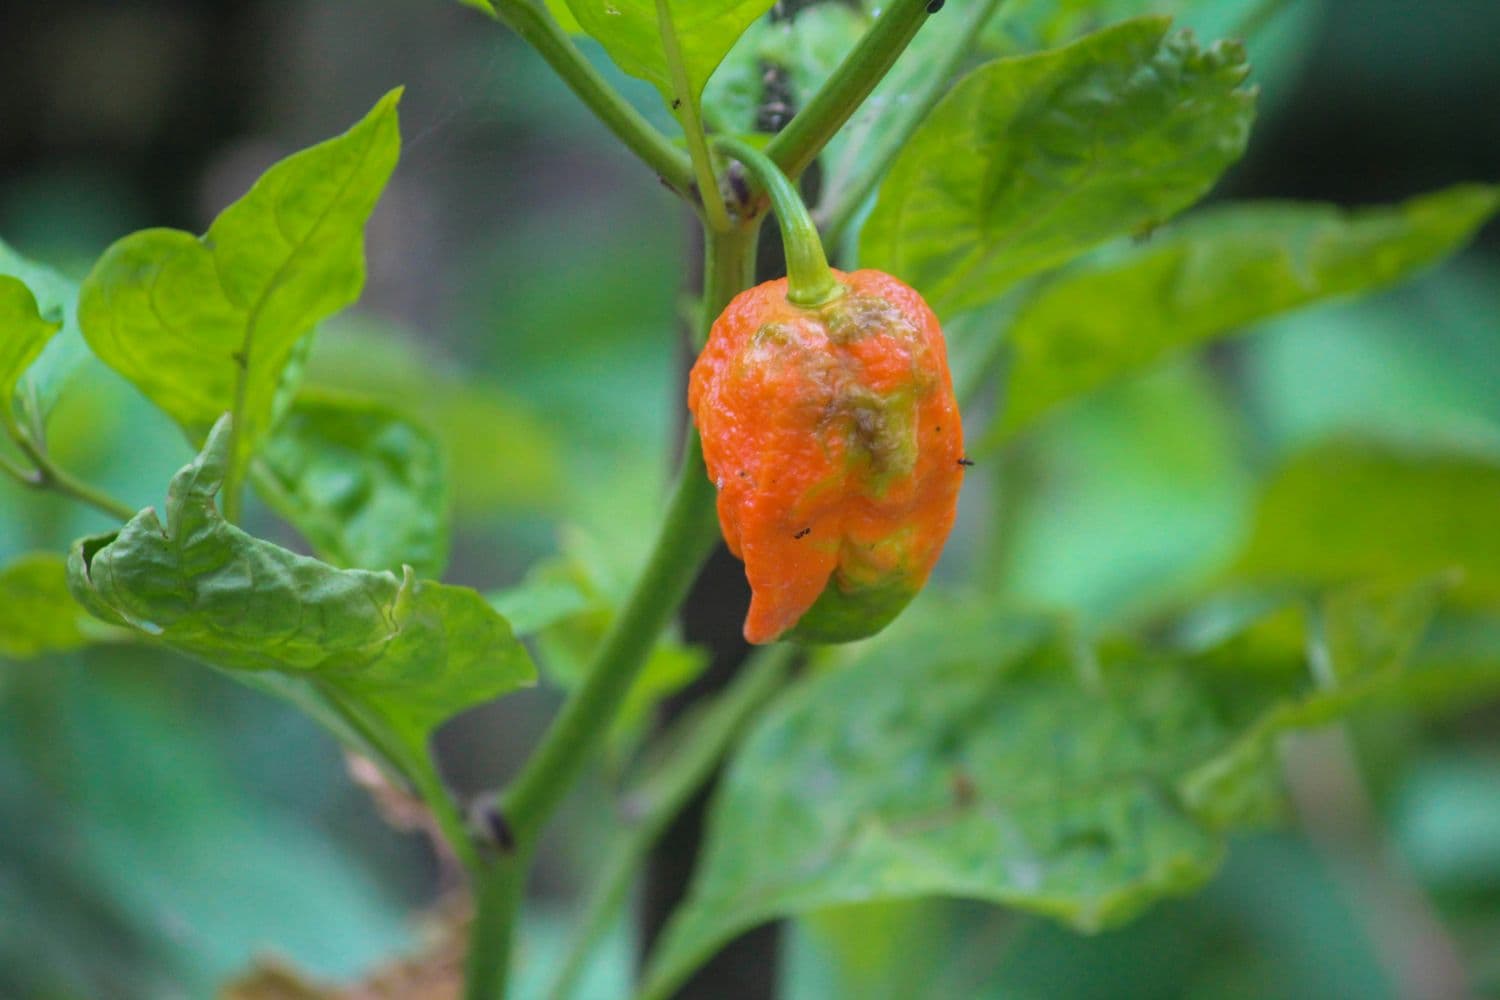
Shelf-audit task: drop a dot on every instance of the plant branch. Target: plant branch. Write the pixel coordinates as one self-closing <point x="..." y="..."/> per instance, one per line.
<point x="234" y="475"/>
<point x="698" y="745"/>
<point x="628" y="125"/>
<point x="497" y="904"/>
<point x="685" y="107"/>
<point x="810" y="282"/>
<point x="686" y="536"/>
<point x="897" y="130"/>
<point x="47" y="475"/>
<point x="795" y="147"/>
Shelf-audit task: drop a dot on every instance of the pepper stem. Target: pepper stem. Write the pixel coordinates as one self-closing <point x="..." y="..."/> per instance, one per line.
<point x="810" y="281"/>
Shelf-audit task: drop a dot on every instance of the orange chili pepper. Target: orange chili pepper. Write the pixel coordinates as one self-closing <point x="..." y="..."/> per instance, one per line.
<point x="834" y="439"/>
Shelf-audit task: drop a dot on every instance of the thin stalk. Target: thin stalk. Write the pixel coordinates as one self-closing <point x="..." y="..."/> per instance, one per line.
<point x="810" y="281"/>
<point x="896" y="130"/>
<point x="230" y="494"/>
<point x="49" y="476"/>
<point x="390" y="754"/>
<point x="23" y="476"/>
<point x="497" y="904"/>
<point x="728" y="262"/>
<point x="697" y="754"/>
<point x="685" y="106"/>
<point x="686" y="536"/>
<point x="629" y="126"/>
<point x="795" y="147"/>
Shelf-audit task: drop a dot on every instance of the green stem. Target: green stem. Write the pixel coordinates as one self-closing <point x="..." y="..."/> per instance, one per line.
<point x="810" y="281"/>
<point x="795" y="147"/>
<point x="401" y="765"/>
<point x="231" y="492"/>
<point x="497" y="904"/>
<point x="20" y="475"/>
<point x="687" y="535"/>
<point x="628" y="125"/>
<point x="728" y="263"/>
<point x="699" y="744"/>
<point x="685" y="106"/>
<point x="48" y="476"/>
<point x="894" y="132"/>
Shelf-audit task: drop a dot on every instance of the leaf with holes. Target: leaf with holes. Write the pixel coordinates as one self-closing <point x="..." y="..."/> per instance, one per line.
<point x="974" y="755"/>
<point x="961" y="761"/>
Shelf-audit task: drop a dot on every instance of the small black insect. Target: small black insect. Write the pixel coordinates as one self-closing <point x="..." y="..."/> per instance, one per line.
<point x="740" y="185"/>
<point x="935" y="6"/>
<point x="676" y="103"/>
<point x="495" y="828"/>
<point x="803" y="533"/>
<point x="966" y="462"/>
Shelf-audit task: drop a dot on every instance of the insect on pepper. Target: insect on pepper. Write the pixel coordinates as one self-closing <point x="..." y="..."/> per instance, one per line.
<point x="831" y="432"/>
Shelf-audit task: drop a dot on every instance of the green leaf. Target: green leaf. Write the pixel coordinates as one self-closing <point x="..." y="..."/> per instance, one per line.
<point x="1375" y="642"/>
<point x="37" y="614"/>
<point x="1348" y="511"/>
<point x="979" y="755"/>
<point x="397" y="654"/>
<point x="365" y="485"/>
<point x="564" y="17"/>
<point x="1031" y="24"/>
<point x="1356" y="367"/>
<point x="38" y="381"/>
<point x="205" y="326"/>
<point x="23" y="334"/>
<point x="706" y="30"/>
<point x="930" y="768"/>
<point x="1228" y="787"/>
<point x="1029" y="162"/>
<point x="1214" y="274"/>
<point x="540" y="601"/>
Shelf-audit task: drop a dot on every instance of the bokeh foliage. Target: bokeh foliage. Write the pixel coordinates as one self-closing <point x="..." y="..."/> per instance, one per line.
<point x="1173" y="557"/>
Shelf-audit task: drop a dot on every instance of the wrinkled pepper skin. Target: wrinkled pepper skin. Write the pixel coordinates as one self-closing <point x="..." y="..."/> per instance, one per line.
<point x="834" y="439"/>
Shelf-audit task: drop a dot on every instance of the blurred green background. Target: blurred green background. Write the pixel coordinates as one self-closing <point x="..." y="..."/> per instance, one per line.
<point x="160" y="827"/>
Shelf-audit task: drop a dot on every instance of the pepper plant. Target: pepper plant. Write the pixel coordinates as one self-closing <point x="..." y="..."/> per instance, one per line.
<point x="1023" y="173"/>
